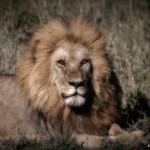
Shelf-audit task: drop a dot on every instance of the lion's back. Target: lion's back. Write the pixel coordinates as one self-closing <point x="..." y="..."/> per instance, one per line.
<point x="15" y="117"/>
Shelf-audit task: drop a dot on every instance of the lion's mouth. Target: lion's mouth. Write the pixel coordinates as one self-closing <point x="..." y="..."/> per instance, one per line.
<point x="74" y="98"/>
<point x="75" y="94"/>
<point x="81" y="91"/>
<point x="74" y="101"/>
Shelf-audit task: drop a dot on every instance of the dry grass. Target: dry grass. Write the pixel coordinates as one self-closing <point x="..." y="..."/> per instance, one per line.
<point x="126" y="24"/>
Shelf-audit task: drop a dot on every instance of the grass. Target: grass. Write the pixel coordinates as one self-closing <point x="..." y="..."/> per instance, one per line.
<point x="126" y="25"/>
<point x="25" y="144"/>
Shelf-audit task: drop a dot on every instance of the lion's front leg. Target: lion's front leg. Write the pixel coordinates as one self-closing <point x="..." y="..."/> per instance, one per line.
<point x="88" y="141"/>
<point x="116" y="133"/>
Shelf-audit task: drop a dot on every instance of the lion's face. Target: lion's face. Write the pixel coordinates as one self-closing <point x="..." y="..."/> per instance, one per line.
<point x="65" y="76"/>
<point x="72" y="69"/>
<point x="64" y="65"/>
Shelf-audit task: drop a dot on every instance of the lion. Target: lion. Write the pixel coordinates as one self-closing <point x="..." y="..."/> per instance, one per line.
<point x="64" y="77"/>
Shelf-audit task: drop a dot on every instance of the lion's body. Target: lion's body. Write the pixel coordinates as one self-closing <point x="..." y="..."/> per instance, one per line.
<point x="64" y="75"/>
<point x="16" y="119"/>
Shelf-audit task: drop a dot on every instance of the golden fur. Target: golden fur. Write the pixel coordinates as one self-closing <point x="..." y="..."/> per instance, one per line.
<point x="65" y="76"/>
<point x="37" y="77"/>
<point x="16" y="119"/>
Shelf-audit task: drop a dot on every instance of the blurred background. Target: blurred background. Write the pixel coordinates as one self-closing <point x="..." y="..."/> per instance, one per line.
<point x="126" y="24"/>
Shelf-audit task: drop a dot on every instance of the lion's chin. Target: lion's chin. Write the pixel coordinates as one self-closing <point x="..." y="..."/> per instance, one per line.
<point x="74" y="101"/>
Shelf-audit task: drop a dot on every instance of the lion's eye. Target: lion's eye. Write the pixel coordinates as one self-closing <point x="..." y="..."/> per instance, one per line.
<point x="84" y="61"/>
<point x="61" y="62"/>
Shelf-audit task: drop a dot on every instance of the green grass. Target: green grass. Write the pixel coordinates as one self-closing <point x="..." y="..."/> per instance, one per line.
<point x="126" y="25"/>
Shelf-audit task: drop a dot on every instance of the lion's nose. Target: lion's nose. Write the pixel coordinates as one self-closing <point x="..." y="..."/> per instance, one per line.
<point x="76" y="84"/>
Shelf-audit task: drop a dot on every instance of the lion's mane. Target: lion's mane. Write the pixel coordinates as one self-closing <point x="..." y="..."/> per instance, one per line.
<point x="35" y="79"/>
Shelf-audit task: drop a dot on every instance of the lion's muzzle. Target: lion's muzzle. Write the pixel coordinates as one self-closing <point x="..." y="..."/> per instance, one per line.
<point x="74" y="95"/>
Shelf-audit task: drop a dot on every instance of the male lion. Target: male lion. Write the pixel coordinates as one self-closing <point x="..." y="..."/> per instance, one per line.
<point x="64" y="75"/>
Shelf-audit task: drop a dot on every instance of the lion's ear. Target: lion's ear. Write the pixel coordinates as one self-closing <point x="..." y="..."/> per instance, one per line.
<point x="33" y="48"/>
